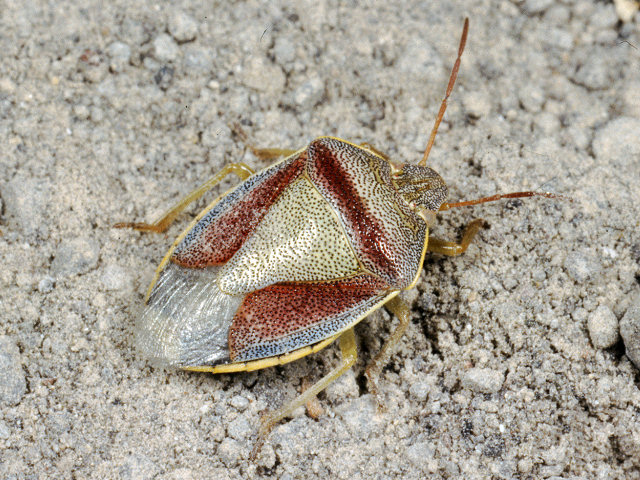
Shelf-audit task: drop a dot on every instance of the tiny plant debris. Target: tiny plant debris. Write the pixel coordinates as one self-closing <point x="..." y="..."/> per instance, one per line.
<point x="294" y="257"/>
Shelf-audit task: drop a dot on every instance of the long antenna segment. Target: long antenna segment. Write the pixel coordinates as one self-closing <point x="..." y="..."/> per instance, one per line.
<point x="443" y="105"/>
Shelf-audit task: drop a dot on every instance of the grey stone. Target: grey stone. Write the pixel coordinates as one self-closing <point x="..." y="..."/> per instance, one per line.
<point x="5" y="431"/>
<point x="46" y="284"/>
<point x="284" y="50"/>
<point x="198" y="59"/>
<point x="182" y="27"/>
<point x="604" y="17"/>
<point x="359" y="416"/>
<point x="419" y="453"/>
<point x="534" y="7"/>
<point x="239" y="402"/>
<point x="630" y="98"/>
<point x="119" y="56"/>
<point x="240" y="428"/>
<point x="421" y="59"/>
<point x="229" y="452"/>
<point x="26" y="200"/>
<point x="165" y="49"/>
<point x="138" y="467"/>
<point x="309" y="94"/>
<point x="630" y="332"/>
<point x="603" y="327"/>
<point x="13" y="384"/>
<point x="75" y="256"/>
<point x="618" y="142"/>
<point x="531" y="97"/>
<point x="420" y="390"/>
<point x="164" y="77"/>
<point x="263" y="76"/>
<point x="92" y="66"/>
<point x="483" y="380"/>
<point x="594" y="73"/>
<point x="477" y="104"/>
<point x="114" y="277"/>
<point x="580" y="267"/>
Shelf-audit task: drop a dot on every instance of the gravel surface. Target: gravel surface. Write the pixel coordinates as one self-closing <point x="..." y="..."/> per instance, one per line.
<point x="519" y="359"/>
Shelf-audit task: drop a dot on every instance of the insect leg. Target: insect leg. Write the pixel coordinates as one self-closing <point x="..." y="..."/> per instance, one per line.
<point x="268" y="421"/>
<point x="162" y="223"/>
<point x="261" y="153"/>
<point x="453" y="248"/>
<point x="368" y="146"/>
<point x="401" y="310"/>
<point x="271" y="153"/>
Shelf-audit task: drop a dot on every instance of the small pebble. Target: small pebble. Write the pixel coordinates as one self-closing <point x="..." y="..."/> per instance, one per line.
<point x="603" y="16"/>
<point x="138" y="467"/>
<point x="114" y="277"/>
<point x="134" y="31"/>
<point x="547" y="123"/>
<point x="359" y="416"/>
<point x="5" y="432"/>
<point x="26" y="200"/>
<point x="97" y="115"/>
<point x="284" y="50"/>
<point x="240" y="428"/>
<point x="626" y="9"/>
<point x="419" y="391"/>
<point x="75" y="256"/>
<point x="594" y="73"/>
<point x="164" y="77"/>
<point x="119" y="56"/>
<point x="229" y="452"/>
<point x="630" y="98"/>
<point x="46" y="284"/>
<point x="534" y="7"/>
<point x="580" y="267"/>
<point x="7" y="85"/>
<point x="532" y="97"/>
<point x="309" y="94"/>
<point x="483" y="380"/>
<point x="13" y="384"/>
<point x="618" y="142"/>
<point x="476" y="104"/>
<point x="182" y="27"/>
<point x="239" y="402"/>
<point x="419" y="453"/>
<point x="559" y="37"/>
<point x="603" y="327"/>
<point x="81" y="112"/>
<point x="92" y="66"/>
<point x="165" y="49"/>
<point x="421" y="59"/>
<point x="630" y="332"/>
<point x="198" y="59"/>
<point x="264" y="76"/>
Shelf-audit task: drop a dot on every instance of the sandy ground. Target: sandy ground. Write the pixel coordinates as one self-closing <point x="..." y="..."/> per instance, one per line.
<point x="513" y="366"/>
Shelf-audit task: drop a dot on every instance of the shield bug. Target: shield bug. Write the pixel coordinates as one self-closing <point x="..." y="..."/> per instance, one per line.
<point x="294" y="257"/>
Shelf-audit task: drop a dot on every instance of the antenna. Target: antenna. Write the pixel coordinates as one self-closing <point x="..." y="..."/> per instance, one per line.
<point x="493" y="198"/>
<point x="443" y="105"/>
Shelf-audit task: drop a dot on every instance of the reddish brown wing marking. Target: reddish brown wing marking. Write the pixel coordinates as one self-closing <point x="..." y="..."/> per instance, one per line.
<point x="287" y="316"/>
<point x="387" y="236"/>
<point x="222" y="231"/>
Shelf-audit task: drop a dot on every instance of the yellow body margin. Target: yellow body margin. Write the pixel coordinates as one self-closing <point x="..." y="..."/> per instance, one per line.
<point x="291" y="356"/>
<point x="265" y="362"/>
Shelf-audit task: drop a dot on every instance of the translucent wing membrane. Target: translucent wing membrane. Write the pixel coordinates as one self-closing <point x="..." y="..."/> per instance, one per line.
<point x="187" y="318"/>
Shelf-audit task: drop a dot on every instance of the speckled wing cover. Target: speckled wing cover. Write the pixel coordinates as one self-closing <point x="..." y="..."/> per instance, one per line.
<point x="295" y="254"/>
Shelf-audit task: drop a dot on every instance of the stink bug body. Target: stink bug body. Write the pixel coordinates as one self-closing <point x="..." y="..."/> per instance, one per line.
<point x="293" y="257"/>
